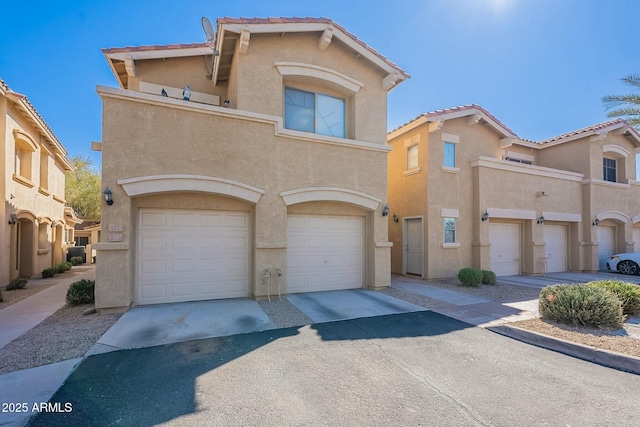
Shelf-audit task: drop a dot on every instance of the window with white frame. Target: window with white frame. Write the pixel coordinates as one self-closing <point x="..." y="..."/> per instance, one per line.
<point x="449" y="230"/>
<point x="449" y="155"/>
<point x="314" y="112"/>
<point x="609" y="169"/>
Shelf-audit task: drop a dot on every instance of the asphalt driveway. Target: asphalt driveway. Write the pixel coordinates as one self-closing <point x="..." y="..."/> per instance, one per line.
<point x="418" y="368"/>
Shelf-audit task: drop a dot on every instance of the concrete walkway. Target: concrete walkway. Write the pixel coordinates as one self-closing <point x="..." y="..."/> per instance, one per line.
<point x="19" y="318"/>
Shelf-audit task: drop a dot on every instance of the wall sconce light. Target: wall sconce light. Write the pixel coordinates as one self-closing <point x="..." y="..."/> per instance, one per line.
<point x="596" y="222"/>
<point x="13" y="218"/>
<point x="541" y="220"/>
<point x="226" y="103"/>
<point x="108" y="196"/>
<point x="385" y="210"/>
<point x="395" y="218"/>
<point x="485" y="216"/>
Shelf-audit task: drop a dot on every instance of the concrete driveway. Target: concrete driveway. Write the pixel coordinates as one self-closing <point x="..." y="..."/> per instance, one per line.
<point x="566" y="277"/>
<point x="418" y="368"/>
<point x="152" y="325"/>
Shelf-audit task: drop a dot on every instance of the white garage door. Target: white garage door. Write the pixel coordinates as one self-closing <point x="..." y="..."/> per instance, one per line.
<point x="324" y="253"/>
<point x="186" y="255"/>
<point x="636" y="239"/>
<point x="505" y="248"/>
<point x="606" y="245"/>
<point x="555" y="237"/>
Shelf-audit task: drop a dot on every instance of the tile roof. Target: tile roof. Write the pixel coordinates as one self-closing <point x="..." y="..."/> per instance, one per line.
<point x="308" y="20"/>
<point x="458" y="109"/>
<point x="587" y="129"/>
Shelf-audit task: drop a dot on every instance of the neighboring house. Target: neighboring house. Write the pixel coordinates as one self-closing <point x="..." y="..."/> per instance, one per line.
<point x="273" y="177"/>
<point x="86" y="234"/>
<point x="34" y="222"/>
<point x="465" y="191"/>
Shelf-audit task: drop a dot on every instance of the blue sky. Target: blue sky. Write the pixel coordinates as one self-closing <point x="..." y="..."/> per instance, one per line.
<point x="540" y="66"/>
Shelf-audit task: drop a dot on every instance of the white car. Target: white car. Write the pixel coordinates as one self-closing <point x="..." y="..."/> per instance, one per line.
<point x="628" y="263"/>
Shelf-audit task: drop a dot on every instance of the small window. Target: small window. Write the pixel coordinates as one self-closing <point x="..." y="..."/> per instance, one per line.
<point x="412" y="157"/>
<point x="609" y="169"/>
<point x="449" y="230"/>
<point x="516" y="160"/>
<point x="449" y="154"/>
<point x="314" y="112"/>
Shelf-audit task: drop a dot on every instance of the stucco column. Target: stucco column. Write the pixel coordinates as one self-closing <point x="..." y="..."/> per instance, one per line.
<point x="270" y="247"/>
<point x="378" y="261"/>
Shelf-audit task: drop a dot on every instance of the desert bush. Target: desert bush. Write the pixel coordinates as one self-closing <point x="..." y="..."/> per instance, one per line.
<point x="81" y="292"/>
<point x="488" y="277"/>
<point x="76" y="260"/>
<point x="470" y="276"/>
<point x="49" y="272"/>
<point x="627" y="293"/>
<point x="581" y="305"/>
<point x="17" y="283"/>
<point x="63" y="266"/>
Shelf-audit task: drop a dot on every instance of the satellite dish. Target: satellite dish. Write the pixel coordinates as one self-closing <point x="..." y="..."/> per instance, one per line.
<point x="211" y="35"/>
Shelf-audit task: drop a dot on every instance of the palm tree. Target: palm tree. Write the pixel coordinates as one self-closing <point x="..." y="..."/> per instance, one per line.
<point x="626" y="106"/>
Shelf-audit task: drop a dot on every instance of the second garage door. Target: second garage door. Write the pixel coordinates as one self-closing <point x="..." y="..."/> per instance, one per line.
<point x="186" y="255"/>
<point x="555" y="237"/>
<point x="505" y="248"/>
<point x="324" y="253"/>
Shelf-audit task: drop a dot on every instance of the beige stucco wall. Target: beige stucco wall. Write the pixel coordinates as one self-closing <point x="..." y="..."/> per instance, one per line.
<point x="145" y="135"/>
<point x="32" y="200"/>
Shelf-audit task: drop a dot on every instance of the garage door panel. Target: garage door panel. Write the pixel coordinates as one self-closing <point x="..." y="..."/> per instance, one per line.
<point x="180" y="252"/>
<point x="324" y="253"/>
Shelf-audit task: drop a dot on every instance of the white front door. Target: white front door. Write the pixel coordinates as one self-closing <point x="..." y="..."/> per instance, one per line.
<point x="413" y="246"/>
<point x="555" y="238"/>
<point x="606" y="245"/>
<point x="636" y="239"/>
<point x="190" y="255"/>
<point x="505" y="248"/>
<point x="324" y="253"/>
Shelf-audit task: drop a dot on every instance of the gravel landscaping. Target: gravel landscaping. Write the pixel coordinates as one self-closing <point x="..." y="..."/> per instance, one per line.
<point x="66" y="334"/>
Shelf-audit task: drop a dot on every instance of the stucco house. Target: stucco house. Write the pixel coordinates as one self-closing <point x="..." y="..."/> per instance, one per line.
<point x="271" y="178"/>
<point x="34" y="223"/>
<point x="466" y="191"/>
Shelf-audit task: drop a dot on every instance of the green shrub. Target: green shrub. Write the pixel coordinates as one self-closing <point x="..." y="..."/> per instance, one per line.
<point x="627" y="293"/>
<point x="470" y="276"/>
<point x="49" y="272"/>
<point x="580" y="305"/>
<point x="81" y="292"/>
<point x="17" y="283"/>
<point x="76" y="260"/>
<point x="488" y="277"/>
<point x="63" y="266"/>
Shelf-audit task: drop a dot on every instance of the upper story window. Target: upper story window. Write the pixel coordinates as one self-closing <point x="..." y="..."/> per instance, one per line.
<point x="523" y="161"/>
<point x="449" y="155"/>
<point x="609" y="169"/>
<point x="25" y="146"/>
<point x="314" y="112"/>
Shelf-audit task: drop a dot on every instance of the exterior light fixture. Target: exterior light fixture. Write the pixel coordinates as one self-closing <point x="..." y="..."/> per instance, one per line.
<point x="13" y="218"/>
<point x="395" y="218"/>
<point x="485" y="216"/>
<point x="596" y="222"/>
<point x="541" y="220"/>
<point x="385" y="210"/>
<point x="186" y="93"/>
<point x="108" y="196"/>
<point x="226" y="103"/>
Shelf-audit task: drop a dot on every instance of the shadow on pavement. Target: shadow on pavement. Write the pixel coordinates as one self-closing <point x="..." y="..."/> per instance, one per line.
<point x="149" y="386"/>
<point x="416" y="324"/>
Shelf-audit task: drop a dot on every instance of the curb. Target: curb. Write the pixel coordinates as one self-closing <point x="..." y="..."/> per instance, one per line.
<point x="610" y="359"/>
